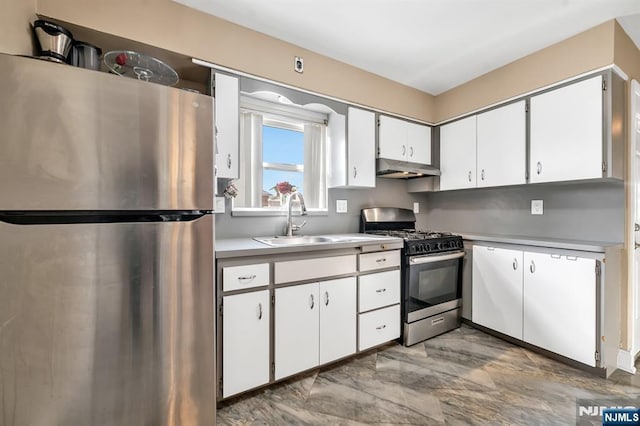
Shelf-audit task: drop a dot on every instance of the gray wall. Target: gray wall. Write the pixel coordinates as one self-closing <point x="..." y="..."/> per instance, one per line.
<point x="592" y="211"/>
<point x="588" y="211"/>
<point x="387" y="193"/>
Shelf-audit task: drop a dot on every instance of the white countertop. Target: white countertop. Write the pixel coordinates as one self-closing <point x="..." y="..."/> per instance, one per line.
<point x="238" y="247"/>
<point x="559" y="243"/>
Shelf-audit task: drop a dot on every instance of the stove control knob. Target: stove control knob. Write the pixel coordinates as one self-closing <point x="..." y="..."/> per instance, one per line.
<point x="453" y="244"/>
<point x="440" y="246"/>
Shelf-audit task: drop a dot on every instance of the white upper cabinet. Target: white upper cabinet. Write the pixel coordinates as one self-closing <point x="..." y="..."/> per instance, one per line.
<point x="458" y="154"/>
<point x="361" y="143"/>
<point x="566" y="133"/>
<point x="419" y="143"/>
<point x="404" y="141"/>
<point x="502" y="146"/>
<point x="227" y="125"/>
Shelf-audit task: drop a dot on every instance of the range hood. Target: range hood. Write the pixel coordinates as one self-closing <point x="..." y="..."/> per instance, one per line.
<point x="403" y="169"/>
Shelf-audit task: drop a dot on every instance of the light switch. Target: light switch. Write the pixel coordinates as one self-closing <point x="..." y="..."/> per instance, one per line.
<point x="416" y="207"/>
<point x="536" y="207"/>
<point x="341" y="206"/>
<point x="219" y="207"/>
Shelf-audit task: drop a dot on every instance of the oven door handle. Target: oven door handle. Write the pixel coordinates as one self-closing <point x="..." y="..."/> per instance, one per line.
<point x="431" y="259"/>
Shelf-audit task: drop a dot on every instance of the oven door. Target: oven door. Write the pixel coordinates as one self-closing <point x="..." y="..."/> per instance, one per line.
<point x="433" y="285"/>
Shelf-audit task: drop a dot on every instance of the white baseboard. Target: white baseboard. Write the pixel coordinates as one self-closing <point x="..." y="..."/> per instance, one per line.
<point x="626" y="361"/>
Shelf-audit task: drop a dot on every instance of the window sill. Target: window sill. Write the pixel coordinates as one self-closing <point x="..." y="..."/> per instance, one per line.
<point x="276" y="212"/>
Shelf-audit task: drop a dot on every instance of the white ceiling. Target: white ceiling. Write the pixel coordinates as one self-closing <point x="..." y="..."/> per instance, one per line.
<point x="432" y="45"/>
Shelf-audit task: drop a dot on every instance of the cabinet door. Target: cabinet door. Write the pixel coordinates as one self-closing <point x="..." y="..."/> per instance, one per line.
<point x="337" y="319"/>
<point x="361" y="141"/>
<point x="560" y="305"/>
<point x="419" y="143"/>
<point x="566" y="133"/>
<point x="227" y="122"/>
<point x="502" y="146"/>
<point x="297" y="324"/>
<point x="392" y="139"/>
<point x="458" y="154"/>
<point x="497" y="290"/>
<point x="245" y="341"/>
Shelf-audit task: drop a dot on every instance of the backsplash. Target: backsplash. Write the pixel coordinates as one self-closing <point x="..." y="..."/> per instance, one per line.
<point x="387" y="193"/>
<point x="592" y="211"/>
<point x="588" y="211"/>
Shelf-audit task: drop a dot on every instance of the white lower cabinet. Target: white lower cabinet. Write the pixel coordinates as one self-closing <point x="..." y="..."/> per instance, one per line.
<point x="378" y="327"/>
<point x="314" y="324"/>
<point x="297" y="329"/>
<point x="560" y="305"/>
<point x="545" y="299"/>
<point x="337" y="319"/>
<point x="497" y="289"/>
<point x="245" y="341"/>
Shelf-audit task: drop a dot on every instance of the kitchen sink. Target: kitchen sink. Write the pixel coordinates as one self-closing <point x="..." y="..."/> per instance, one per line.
<point x="299" y="240"/>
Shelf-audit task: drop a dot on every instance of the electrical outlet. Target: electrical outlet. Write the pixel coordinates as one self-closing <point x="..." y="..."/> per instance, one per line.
<point x="416" y="207"/>
<point x="341" y="206"/>
<point x="219" y="207"/>
<point x="536" y="207"/>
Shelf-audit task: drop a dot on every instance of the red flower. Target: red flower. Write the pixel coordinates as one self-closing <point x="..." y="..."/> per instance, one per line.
<point x="284" y="188"/>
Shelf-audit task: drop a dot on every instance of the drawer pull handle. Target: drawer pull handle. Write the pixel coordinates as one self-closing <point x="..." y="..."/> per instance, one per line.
<point x="572" y="258"/>
<point x="247" y="278"/>
<point x="532" y="267"/>
<point x="259" y="311"/>
<point x="326" y="298"/>
<point x="381" y="290"/>
<point x="437" y="321"/>
<point x="312" y="301"/>
<point x="555" y="256"/>
<point x="384" y="259"/>
<point x="515" y="264"/>
<point x="381" y="327"/>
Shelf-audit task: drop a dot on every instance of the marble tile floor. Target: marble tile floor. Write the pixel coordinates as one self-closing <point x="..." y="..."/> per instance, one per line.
<point x="459" y="378"/>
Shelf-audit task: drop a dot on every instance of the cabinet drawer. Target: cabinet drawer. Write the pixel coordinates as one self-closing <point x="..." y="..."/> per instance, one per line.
<point x="380" y="260"/>
<point x="245" y="276"/>
<point x="378" y="290"/>
<point x="377" y="327"/>
<point x="309" y="269"/>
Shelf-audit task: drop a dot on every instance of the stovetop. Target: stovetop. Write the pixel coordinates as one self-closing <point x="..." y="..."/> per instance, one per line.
<point x="424" y="242"/>
<point x="401" y="223"/>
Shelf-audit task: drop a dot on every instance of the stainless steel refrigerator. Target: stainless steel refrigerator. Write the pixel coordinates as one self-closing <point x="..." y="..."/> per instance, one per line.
<point x="106" y="249"/>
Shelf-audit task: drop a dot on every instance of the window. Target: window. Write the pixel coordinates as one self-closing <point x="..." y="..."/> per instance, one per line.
<point x="281" y="151"/>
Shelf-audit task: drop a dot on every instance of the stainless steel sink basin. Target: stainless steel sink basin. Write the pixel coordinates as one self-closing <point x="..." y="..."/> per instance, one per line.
<point x="298" y="240"/>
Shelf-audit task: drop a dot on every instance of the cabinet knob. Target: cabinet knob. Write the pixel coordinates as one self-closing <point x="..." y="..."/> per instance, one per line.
<point x="312" y="301"/>
<point x="515" y="264"/>
<point x="532" y="267"/>
<point x="259" y="311"/>
<point x="539" y="168"/>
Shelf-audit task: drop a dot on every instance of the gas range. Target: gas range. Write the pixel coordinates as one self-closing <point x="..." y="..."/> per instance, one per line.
<point x="431" y="272"/>
<point x="424" y="242"/>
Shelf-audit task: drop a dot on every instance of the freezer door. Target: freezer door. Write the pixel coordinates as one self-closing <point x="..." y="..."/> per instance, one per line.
<point x="76" y="139"/>
<point x="107" y="324"/>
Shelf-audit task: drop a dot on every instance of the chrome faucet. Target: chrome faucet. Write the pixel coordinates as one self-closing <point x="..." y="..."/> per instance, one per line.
<point x="291" y="227"/>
